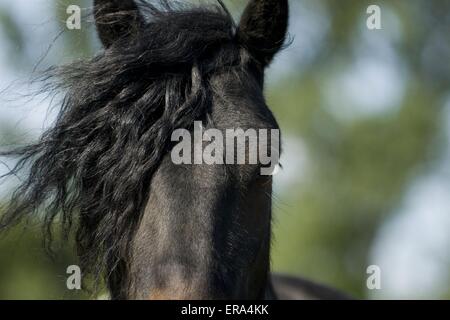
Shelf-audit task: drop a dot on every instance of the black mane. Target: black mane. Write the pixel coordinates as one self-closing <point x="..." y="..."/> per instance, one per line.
<point x="94" y="166"/>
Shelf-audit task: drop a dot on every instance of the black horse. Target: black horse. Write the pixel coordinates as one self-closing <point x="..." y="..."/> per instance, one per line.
<point x="153" y="228"/>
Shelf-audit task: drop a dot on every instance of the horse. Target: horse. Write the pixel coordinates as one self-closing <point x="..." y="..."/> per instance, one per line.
<point x="149" y="228"/>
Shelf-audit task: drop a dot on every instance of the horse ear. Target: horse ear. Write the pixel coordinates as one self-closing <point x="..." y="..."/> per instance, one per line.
<point x="263" y="28"/>
<point x="116" y="19"/>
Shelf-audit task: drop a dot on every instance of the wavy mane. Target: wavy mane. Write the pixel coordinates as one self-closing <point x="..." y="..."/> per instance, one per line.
<point x="93" y="167"/>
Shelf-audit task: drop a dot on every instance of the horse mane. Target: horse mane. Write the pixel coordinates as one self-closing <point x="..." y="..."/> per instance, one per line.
<point x="92" y="169"/>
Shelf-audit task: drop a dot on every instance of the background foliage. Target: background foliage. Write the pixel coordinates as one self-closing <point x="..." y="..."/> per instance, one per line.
<point x="365" y="116"/>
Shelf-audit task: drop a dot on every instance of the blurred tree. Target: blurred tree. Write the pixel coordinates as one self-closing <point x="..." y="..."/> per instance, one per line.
<point x="359" y="168"/>
<point x="13" y="34"/>
<point x="77" y="43"/>
<point x="28" y="272"/>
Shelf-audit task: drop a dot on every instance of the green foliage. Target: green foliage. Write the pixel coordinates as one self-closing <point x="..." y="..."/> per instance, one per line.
<point x="28" y="272"/>
<point x="13" y="33"/>
<point x="77" y="43"/>
<point x="360" y="172"/>
<point x="358" y="169"/>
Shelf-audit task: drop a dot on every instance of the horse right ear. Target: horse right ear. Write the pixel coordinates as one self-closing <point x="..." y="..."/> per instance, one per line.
<point x="116" y="19"/>
<point x="263" y="28"/>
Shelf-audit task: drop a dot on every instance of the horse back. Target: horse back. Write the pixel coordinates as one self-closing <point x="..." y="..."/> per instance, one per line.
<point x="292" y="288"/>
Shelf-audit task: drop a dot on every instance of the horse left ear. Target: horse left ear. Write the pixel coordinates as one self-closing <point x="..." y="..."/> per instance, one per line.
<point x="116" y="19"/>
<point x="263" y="28"/>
